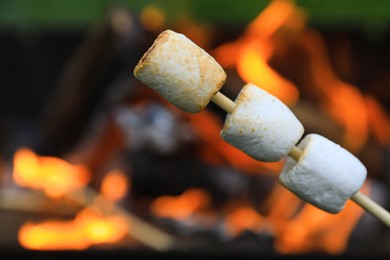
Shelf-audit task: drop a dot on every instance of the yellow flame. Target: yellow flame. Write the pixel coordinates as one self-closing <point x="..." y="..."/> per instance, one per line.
<point x="87" y="229"/>
<point x="52" y="175"/>
<point x="253" y="67"/>
<point x="251" y="52"/>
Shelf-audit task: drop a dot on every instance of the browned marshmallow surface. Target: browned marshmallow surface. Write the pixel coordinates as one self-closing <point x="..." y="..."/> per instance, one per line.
<point x="180" y="71"/>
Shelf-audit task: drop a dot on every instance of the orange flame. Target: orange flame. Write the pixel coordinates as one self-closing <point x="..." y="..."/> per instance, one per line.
<point x="341" y="100"/>
<point x="182" y="206"/>
<point x="87" y="229"/>
<point x="305" y="228"/>
<point x="282" y="205"/>
<point x="54" y="176"/>
<point x="272" y="31"/>
<point x="379" y="120"/>
<point x="253" y="50"/>
<point x="244" y="218"/>
<point x="115" y="185"/>
<point x="252" y="67"/>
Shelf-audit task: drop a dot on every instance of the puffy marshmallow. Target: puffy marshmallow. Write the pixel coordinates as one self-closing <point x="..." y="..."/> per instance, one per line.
<point x="180" y="71"/>
<point x="326" y="174"/>
<point x="261" y="125"/>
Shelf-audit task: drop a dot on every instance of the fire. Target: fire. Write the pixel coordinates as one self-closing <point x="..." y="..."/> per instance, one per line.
<point x="244" y="218"/>
<point x="252" y="67"/>
<point x="115" y="185"/>
<point x="302" y="228"/>
<point x="54" y="176"/>
<point x="379" y="120"/>
<point x="182" y="206"/>
<point x="253" y="50"/>
<point x="279" y="26"/>
<point x="88" y="228"/>
<point x="343" y="101"/>
<point x="281" y="205"/>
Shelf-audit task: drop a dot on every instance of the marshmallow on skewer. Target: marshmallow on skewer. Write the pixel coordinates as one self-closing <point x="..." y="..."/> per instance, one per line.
<point x="182" y="72"/>
<point x="326" y="174"/>
<point x="189" y="78"/>
<point x="261" y="125"/>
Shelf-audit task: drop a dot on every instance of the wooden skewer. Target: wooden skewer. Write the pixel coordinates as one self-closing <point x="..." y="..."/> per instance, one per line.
<point x="359" y="198"/>
<point x="372" y="207"/>
<point x="224" y="102"/>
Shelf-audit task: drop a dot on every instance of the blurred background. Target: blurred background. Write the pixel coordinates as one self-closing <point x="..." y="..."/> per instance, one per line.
<point x="93" y="161"/>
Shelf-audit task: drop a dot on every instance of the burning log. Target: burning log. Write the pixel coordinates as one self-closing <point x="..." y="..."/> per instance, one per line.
<point x="159" y="76"/>
<point x="59" y="179"/>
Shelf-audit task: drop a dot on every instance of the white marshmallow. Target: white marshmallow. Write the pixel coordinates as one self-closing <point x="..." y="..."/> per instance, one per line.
<point x="326" y="174"/>
<point x="180" y="71"/>
<point x="261" y="125"/>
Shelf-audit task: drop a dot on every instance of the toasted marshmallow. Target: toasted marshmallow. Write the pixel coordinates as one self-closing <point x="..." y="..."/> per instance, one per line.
<point x="261" y="125"/>
<point x="180" y="71"/>
<point x="326" y="174"/>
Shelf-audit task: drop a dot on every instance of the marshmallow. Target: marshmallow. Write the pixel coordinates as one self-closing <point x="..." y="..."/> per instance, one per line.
<point x="261" y="125"/>
<point x="326" y="174"/>
<point x="180" y="71"/>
